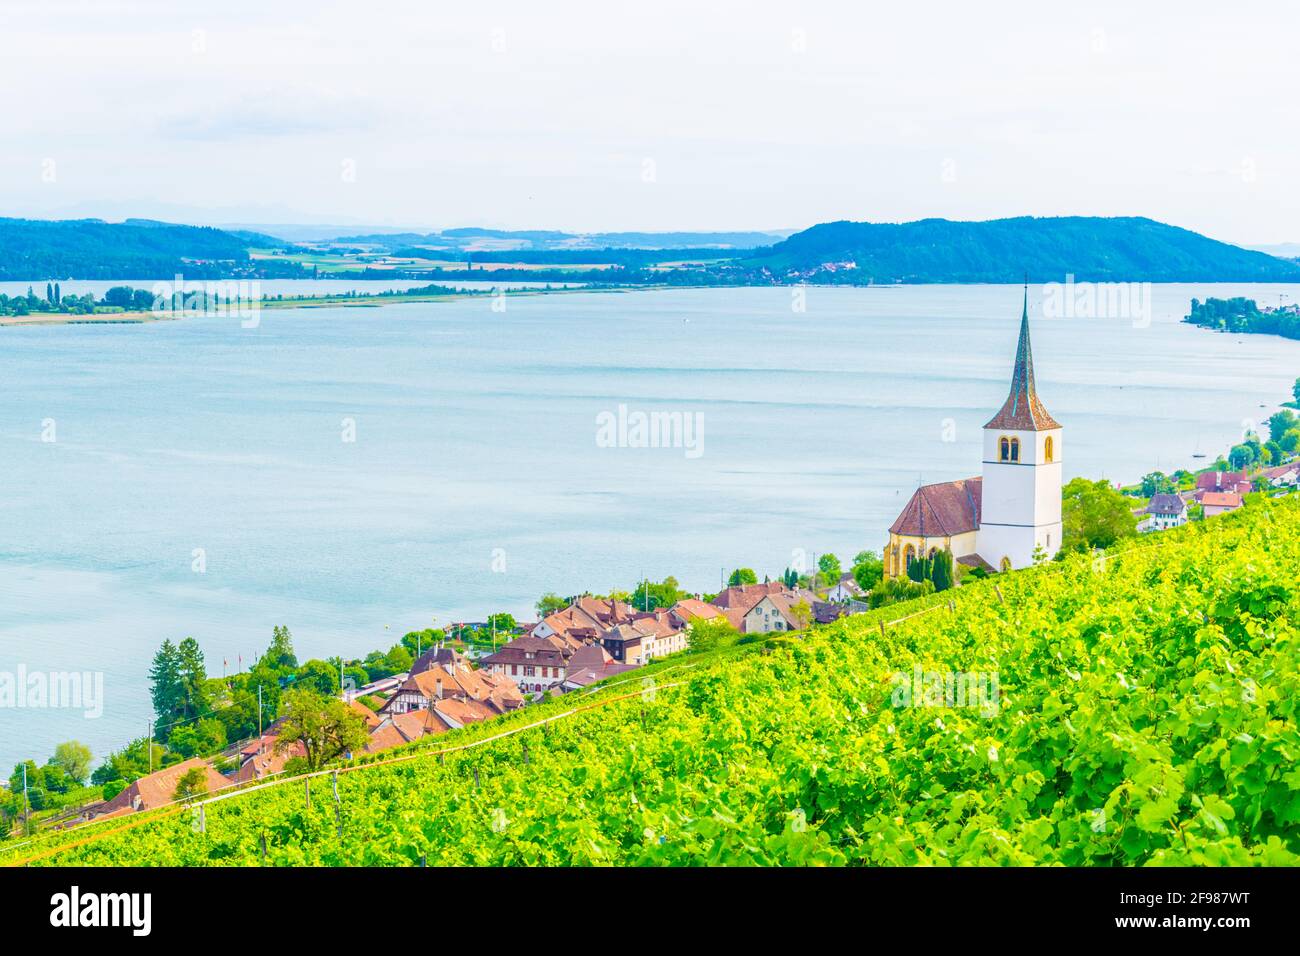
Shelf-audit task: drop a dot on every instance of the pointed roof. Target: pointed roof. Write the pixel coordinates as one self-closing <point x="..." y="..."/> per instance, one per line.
<point x="1023" y="411"/>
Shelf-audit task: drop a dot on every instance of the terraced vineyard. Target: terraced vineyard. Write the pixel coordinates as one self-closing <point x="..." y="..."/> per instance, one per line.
<point x="1137" y="709"/>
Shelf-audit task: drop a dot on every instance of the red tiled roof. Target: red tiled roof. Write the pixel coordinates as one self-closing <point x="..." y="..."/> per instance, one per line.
<point x="1218" y="480"/>
<point x="948" y="508"/>
<point x="1221" y="499"/>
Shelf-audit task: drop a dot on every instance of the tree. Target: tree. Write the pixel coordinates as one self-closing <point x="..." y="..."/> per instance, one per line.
<point x="802" y="614"/>
<point x="1290" y="441"/>
<point x="1094" y="515"/>
<point x="1295" y="391"/>
<point x="203" y="737"/>
<point x="899" y="589"/>
<point x="74" y="758"/>
<point x="165" y="686"/>
<point x="705" y="635"/>
<point x="941" y="571"/>
<point x="280" y="654"/>
<point x="194" y="678"/>
<point x="742" y="576"/>
<point x="829" y="566"/>
<point x="790" y="578"/>
<point x="549" y="603"/>
<point x="1156" y="483"/>
<point x="868" y="569"/>
<point x="325" y="727"/>
<point x="1241" y="456"/>
<point x="193" y="783"/>
<point x="319" y="676"/>
<point x="1280" y="423"/>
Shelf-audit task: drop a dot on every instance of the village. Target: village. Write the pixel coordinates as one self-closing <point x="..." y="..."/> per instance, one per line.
<point x="1008" y="518"/>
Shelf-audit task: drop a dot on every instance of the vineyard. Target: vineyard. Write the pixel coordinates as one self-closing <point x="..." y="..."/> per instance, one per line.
<point x="1136" y="708"/>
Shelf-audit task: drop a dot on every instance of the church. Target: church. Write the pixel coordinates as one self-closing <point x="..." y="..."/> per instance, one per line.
<point x="1012" y="512"/>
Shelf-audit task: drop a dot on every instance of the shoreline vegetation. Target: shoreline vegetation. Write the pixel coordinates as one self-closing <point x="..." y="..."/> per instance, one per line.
<point x="198" y="305"/>
<point x="1240" y="314"/>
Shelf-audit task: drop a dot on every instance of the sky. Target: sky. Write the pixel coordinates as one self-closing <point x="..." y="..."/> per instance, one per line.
<point x="651" y="116"/>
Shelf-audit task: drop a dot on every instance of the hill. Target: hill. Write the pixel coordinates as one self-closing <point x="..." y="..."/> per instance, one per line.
<point x="1002" y="250"/>
<point x="1140" y="708"/>
<point x="36" y="250"/>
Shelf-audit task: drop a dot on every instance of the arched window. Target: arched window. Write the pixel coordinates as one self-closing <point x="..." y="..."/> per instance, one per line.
<point x="909" y="555"/>
<point x="933" y="552"/>
<point x="1006" y="564"/>
<point x="1004" y="449"/>
<point x="1015" y="449"/>
<point x="1047" y="448"/>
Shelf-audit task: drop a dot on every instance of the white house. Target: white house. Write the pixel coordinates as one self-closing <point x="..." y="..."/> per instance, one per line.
<point x="1165" y="511"/>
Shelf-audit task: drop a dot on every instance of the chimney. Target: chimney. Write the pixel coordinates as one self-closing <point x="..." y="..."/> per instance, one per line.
<point x="437" y="688"/>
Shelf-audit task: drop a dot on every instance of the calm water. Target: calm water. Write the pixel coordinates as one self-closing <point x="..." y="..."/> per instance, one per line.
<point x="475" y="431"/>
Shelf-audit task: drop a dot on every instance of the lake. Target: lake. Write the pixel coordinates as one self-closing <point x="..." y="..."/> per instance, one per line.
<point x="357" y="473"/>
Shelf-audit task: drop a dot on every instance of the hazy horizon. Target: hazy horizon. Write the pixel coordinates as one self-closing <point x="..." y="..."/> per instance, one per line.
<point x="584" y="118"/>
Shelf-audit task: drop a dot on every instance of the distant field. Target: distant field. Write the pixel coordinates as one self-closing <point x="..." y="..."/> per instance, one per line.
<point x="329" y="262"/>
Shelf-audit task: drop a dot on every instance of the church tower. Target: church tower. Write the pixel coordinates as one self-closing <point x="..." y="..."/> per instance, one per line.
<point x="1021" y="507"/>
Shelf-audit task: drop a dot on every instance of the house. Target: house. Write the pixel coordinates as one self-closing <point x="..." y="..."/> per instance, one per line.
<point x="745" y="596"/>
<point x="1010" y="515"/>
<point x="397" y="729"/>
<point x="585" y="676"/>
<point x="261" y="759"/>
<point x="845" y="589"/>
<point x="778" y="612"/>
<point x="583" y="620"/>
<point x="454" y="680"/>
<point x="535" y="664"/>
<point x="1217" y="502"/>
<point x="158" y="789"/>
<point x="1165" y="511"/>
<point x="1283" y="476"/>
<point x="1219" y="480"/>
<point x="693" y="609"/>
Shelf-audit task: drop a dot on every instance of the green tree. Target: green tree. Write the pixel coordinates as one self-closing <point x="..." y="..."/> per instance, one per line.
<point x="1241" y="456"/>
<point x="549" y="603"/>
<point x="319" y="676"/>
<point x="194" y="678"/>
<point x="325" y="727"/>
<point x="1280" y="423"/>
<point x="74" y="758"/>
<point x="705" y="635"/>
<point x="1295" y="391"/>
<point x="193" y="783"/>
<point x="504" y="624"/>
<point x="1156" y="483"/>
<point x="166" y="687"/>
<point x="280" y="654"/>
<point x="829" y="566"/>
<point x="200" y="738"/>
<point x="790" y="578"/>
<point x="868" y="569"/>
<point x="941" y="570"/>
<point x="742" y="576"/>
<point x="1094" y="515"/>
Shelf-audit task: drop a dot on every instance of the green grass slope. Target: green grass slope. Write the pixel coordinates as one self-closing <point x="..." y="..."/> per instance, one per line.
<point x="1146" y="715"/>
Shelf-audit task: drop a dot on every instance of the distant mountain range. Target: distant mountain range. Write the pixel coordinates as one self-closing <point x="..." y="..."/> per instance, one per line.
<point x="1004" y="250"/>
<point x="849" y="253"/>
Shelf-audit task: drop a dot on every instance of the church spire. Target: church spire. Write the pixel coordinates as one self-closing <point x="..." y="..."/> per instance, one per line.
<point x="1023" y="411"/>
